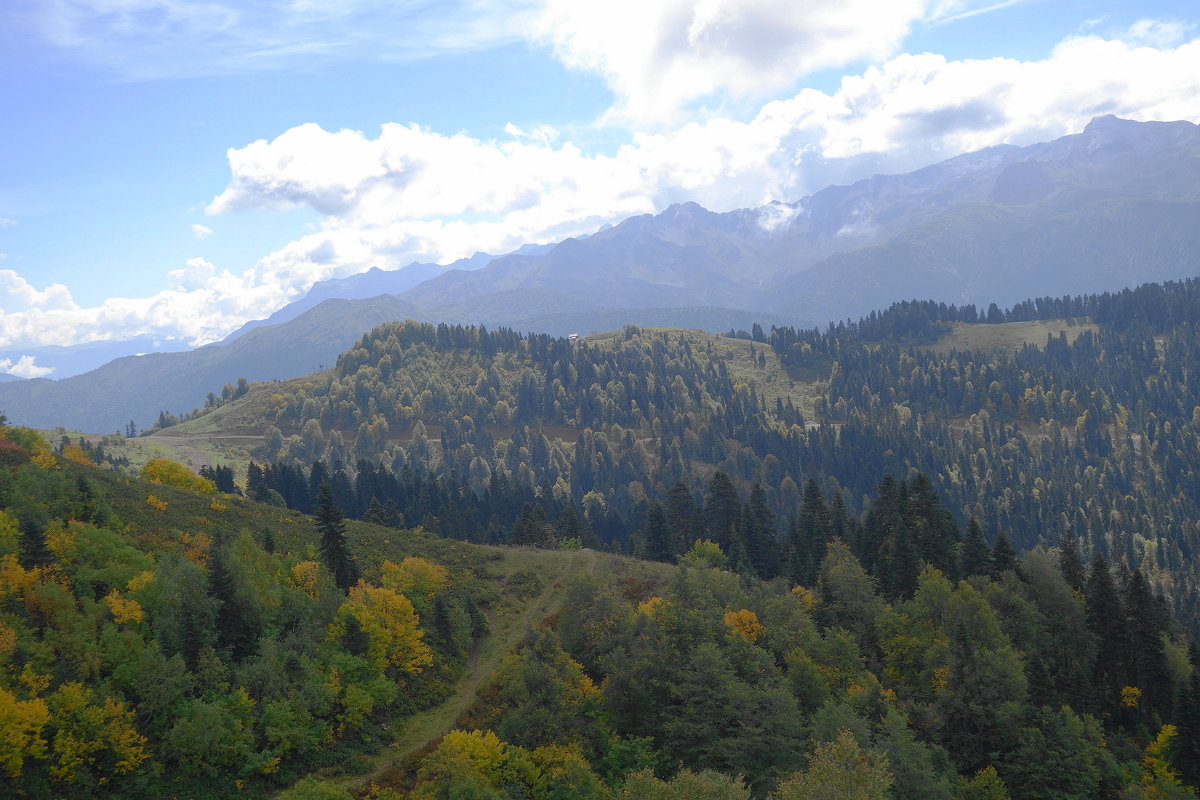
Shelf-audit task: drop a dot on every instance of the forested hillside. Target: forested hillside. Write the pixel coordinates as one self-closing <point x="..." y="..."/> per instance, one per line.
<point x="474" y="433"/>
<point x="159" y="638"/>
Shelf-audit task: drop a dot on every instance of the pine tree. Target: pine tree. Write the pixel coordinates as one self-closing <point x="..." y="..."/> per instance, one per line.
<point x="1187" y="745"/>
<point x="1003" y="557"/>
<point x="334" y="552"/>
<point x="758" y="527"/>
<point x="1147" y="661"/>
<point x="235" y="623"/>
<point x="1069" y="563"/>
<point x="976" y="555"/>
<point x="810" y="534"/>
<point x="658" y="539"/>
<point x="721" y="509"/>
<point x="936" y="533"/>
<point x="680" y="510"/>
<point x="32" y="542"/>
<point x="568" y="524"/>
<point x="530" y="528"/>
<point x="1106" y="621"/>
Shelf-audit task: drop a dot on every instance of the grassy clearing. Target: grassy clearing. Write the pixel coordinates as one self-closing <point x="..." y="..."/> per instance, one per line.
<point x="748" y="362"/>
<point x="1008" y="336"/>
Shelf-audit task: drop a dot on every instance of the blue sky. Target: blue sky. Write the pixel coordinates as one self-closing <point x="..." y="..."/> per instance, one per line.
<point x="176" y="168"/>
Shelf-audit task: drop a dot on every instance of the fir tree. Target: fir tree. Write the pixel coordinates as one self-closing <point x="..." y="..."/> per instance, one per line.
<point x="1106" y="621"/>
<point x="334" y="551"/>
<point x="658" y="538"/>
<point x="1003" y="557"/>
<point x="721" y="509"/>
<point x="1069" y="563"/>
<point x="235" y="622"/>
<point x="976" y="555"/>
<point x="1148" y="663"/>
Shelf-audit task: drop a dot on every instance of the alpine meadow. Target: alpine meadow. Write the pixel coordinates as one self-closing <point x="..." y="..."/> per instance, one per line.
<point x="681" y="401"/>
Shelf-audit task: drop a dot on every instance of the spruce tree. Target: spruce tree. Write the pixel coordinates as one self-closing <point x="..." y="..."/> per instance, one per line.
<point x="658" y="538"/>
<point x="681" y="513"/>
<point x="722" y="509"/>
<point x="1106" y="621"/>
<point x="1069" y="563"/>
<point x="235" y="623"/>
<point x="976" y="556"/>
<point x="1187" y="743"/>
<point x="568" y="524"/>
<point x="334" y="552"/>
<point x="1147" y="661"/>
<point x="810" y="534"/>
<point x="1004" y="558"/>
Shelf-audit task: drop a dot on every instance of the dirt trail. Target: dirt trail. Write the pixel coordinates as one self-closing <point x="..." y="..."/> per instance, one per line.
<point x="508" y="625"/>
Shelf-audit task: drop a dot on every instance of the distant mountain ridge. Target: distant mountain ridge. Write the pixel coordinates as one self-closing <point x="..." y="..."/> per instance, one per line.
<point x="373" y="283"/>
<point x="1111" y="207"/>
<point x="980" y="227"/>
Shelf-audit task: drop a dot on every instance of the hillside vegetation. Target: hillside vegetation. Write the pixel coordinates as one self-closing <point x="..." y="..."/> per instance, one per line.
<point x="157" y="641"/>
<point x="465" y="430"/>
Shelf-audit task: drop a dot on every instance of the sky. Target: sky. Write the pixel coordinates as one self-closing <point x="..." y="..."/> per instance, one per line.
<point x="178" y="167"/>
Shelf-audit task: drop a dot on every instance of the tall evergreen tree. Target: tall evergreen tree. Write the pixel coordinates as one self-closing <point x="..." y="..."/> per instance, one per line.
<point x="680" y="510"/>
<point x="235" y="623"/>
<point x="1106" y="621"/>
<point x="1069" y="563"/>
<point x="658" y="538"/>
<point x="1147" y="661"/>
<point x="334" y="550"/>
<point x="1187" y="743"/>
<point x="976" y="555"/>
<point x="1004" y="557"/>
<point x="811" y="534"/>
<point x="722" y="508"/>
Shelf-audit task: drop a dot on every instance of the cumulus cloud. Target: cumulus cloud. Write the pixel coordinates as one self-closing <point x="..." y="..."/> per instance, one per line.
<point x="679" y="51"/>
<point x="659" y="58"/>
<point x="17" y="294"/>
<point x="410" y="193"/>
<point x="24" y="368"/>
<point x="201" y="231"/>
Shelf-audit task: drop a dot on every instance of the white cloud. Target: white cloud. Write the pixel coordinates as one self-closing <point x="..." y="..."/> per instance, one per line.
<point x="658" y="57"/>
<point x="24" y="368"/>
<point x="17" y="294"/>
<point x="5" y="222"/>
<point x="197" y="274"/>
<point x="410" y="193"/>
<point x="201" y="231"/>
<point x="1157" y="32"/>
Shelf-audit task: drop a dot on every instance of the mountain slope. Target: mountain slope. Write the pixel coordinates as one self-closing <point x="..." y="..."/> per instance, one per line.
<point x="139" y="387"/>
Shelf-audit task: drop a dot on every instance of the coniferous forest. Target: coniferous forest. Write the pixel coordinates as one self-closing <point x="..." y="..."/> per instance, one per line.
<point x="859" y="562"/>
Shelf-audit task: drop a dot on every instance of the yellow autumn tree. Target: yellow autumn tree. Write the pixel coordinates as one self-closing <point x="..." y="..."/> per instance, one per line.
<point x="390" y="624"/>
<point x="415" y="578"/>
<point x="74" y="452"/>
<point x="745" y="624"/>
<point x="92" y="736"/>
<point x="10" y="534"/>
<point x="1160" y="781"/>
<point x="170" y="473"/>
<point x="124" y="609"/>
<point x="21" y="724"/>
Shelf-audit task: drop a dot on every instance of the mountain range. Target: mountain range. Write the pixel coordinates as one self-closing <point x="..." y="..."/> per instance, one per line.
<point x="1113" y="206"/>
